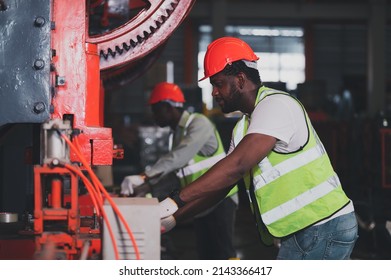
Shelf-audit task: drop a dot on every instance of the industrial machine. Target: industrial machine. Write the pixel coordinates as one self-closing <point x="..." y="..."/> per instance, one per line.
<point x="53" y="59"/>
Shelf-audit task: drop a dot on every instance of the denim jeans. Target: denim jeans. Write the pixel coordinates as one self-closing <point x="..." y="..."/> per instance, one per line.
<point x="333" y="240"/>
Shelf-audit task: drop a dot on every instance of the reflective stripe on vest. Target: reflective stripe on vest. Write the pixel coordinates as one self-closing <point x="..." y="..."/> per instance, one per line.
<point x="269" y="173"/>
<point x="199" y="166"/>
<point x="301" y="200"/>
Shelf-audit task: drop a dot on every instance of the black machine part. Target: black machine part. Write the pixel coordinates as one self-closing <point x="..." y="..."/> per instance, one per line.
<point x="25" y="61"/>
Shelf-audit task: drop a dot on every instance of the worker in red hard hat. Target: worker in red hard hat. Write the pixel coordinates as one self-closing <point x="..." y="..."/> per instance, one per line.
<point x="165" y="100"/>
<point x="195" y="147"/>
<point x="295" y="194"/>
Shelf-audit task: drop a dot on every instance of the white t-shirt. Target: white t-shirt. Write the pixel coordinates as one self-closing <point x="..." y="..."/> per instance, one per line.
<point x="282" y="117"/>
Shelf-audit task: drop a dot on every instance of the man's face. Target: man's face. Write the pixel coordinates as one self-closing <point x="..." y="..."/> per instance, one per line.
<point x="225" y="92"/>
<point x="161" y="113"/>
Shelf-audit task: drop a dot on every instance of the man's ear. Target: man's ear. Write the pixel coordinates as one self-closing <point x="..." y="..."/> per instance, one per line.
<point x="241" y="79"/>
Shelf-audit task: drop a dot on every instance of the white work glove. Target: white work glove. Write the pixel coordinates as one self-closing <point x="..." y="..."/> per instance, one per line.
<point x="168" y="223"/>
<point x="129" y="183"/>
<point x="167" y="207"/>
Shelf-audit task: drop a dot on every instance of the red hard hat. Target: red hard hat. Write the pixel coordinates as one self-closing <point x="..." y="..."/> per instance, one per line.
<point x="224" y="51"/>
<point x="166" y="92"/>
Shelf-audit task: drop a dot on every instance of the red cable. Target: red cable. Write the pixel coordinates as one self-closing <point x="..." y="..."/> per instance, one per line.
<point x="108" y="197"/>
<point x="90" y="189"/>
<point x="103" y="190"/>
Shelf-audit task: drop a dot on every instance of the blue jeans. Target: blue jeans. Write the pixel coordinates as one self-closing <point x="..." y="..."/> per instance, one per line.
<point x="333" y="240"/>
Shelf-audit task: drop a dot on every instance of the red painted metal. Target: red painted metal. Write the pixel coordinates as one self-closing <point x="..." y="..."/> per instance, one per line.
<point x="81" y="95"/>
<point x="55" y="198"/>
<point x="86" y="207"/>
<point x="118" y="152"/>
<point x="44" y="212"/>
<point x="47" y="212"/>
<point x="94" y="96"/>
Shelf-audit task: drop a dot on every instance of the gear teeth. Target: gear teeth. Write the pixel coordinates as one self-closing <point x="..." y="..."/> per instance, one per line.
<point x="125" y="46"/>
<point x="102" y="53"/>
<point x="154" y="26"/>
<point x="133" y="43"/>
<point x="163" y="19"/>
<point x="111" y="52"/>
<point x="145" y="35"/>
<point x="119" y="50"/>
<point x="158" y="24"/>
<point x="169" y="12"/>
<point x="174" y="4"/>
<point x="139" y="39"/>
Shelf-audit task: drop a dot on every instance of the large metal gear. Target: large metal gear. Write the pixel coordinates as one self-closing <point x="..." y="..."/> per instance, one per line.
<point x="144" y="33"/>
<point x="115" y="78"/>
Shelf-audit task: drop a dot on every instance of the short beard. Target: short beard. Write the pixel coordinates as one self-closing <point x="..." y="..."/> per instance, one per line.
<point x="233" y="103"/>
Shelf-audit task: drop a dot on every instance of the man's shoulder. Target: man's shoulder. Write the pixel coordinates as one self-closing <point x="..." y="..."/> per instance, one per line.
<point x="279" y="100"/>
<point x="201" y="124"/>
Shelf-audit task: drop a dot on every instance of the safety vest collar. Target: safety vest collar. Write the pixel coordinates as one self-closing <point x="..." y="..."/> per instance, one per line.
<point x="263" y="91"/>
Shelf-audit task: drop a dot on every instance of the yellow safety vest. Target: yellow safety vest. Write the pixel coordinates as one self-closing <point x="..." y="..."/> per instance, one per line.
<point x="292" y="190"/>
<point x="200" y="164"/>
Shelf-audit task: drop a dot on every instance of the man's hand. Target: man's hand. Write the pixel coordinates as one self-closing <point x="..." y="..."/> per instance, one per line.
<point x="168" y="223"/>
<point x="129" y="184"/>
<point x="167" y="207"/>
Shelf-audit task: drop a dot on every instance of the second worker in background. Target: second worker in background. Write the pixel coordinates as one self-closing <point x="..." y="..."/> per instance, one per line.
<point x="195" y="146"/>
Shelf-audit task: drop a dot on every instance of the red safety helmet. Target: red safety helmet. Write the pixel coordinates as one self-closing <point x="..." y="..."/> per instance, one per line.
<point x="167" y="92"/>
<point x="224" y="51"/>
